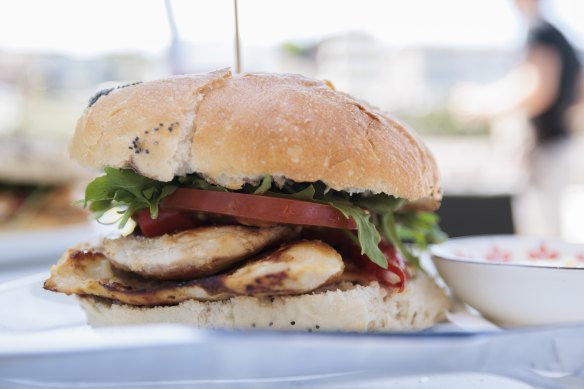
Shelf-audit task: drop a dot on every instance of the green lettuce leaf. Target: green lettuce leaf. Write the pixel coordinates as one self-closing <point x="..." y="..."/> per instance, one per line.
<point x="264" y="186"/>
<point x="420" y="228"/>
<point x="372" y="213"/>
<point x="379" y="203"/>
<point x="306" y="194"/>
<point x="389" y="230"/>
<point x="366" y="232"/>
<point x="127" y="189"/>
<point x="194" y="181"/>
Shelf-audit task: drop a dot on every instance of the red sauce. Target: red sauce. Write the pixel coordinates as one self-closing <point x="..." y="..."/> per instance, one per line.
<point x="359" y="265"/>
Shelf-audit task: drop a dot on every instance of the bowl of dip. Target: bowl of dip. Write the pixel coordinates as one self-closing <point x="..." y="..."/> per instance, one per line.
<point x="513" y="280"/>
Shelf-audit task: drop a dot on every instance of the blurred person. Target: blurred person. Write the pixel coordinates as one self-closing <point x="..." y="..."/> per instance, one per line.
<point x="543" y="87"/>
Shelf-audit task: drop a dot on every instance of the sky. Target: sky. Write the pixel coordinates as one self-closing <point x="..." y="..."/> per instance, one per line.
<point x="91" y="28"/>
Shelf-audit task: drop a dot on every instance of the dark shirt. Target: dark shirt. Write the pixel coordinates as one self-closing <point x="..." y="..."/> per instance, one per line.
<point x="551" y="124"/>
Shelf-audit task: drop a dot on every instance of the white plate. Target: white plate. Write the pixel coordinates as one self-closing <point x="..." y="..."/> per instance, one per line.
<point x="44" y="342"/>
<point x="515" y="281"/>
<point x="43" y="244"/>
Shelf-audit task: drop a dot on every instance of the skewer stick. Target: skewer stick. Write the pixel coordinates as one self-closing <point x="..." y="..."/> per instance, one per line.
<point x="237" y="46"/>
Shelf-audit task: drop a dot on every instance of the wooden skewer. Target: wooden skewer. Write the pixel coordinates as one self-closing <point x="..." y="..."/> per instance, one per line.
<point x="237" y="46"/>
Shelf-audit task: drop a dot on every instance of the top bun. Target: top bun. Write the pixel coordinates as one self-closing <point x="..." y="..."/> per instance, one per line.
<point x="235" y="129"/>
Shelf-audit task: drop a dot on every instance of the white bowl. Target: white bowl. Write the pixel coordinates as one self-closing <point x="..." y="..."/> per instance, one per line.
<point x="513" y="280"/>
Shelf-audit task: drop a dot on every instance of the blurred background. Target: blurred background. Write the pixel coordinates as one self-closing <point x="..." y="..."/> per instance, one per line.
<point x="454" y="70"/>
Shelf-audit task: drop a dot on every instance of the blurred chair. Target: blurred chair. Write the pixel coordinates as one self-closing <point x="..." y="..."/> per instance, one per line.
<point x="464" y="215"/>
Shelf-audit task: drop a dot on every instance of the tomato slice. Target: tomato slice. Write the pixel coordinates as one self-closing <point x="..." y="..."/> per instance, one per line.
<point x="257" y="207"/>
<point x="168" y="221"/>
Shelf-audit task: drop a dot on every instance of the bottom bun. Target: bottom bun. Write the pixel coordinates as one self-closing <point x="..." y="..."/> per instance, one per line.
<point x="344" y="307"/>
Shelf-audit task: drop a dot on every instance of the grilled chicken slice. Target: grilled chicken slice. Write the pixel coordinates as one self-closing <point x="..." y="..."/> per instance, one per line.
<point x="296" y="268"/>
<point x="193" y="253"/>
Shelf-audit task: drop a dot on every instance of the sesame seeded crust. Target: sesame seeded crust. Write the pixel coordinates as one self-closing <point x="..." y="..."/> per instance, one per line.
<point x="237" y="128"/>
<point x="342" y="307"/>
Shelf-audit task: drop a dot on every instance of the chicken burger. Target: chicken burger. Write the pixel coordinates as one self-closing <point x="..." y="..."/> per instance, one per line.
<point x="260" y="201"/>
